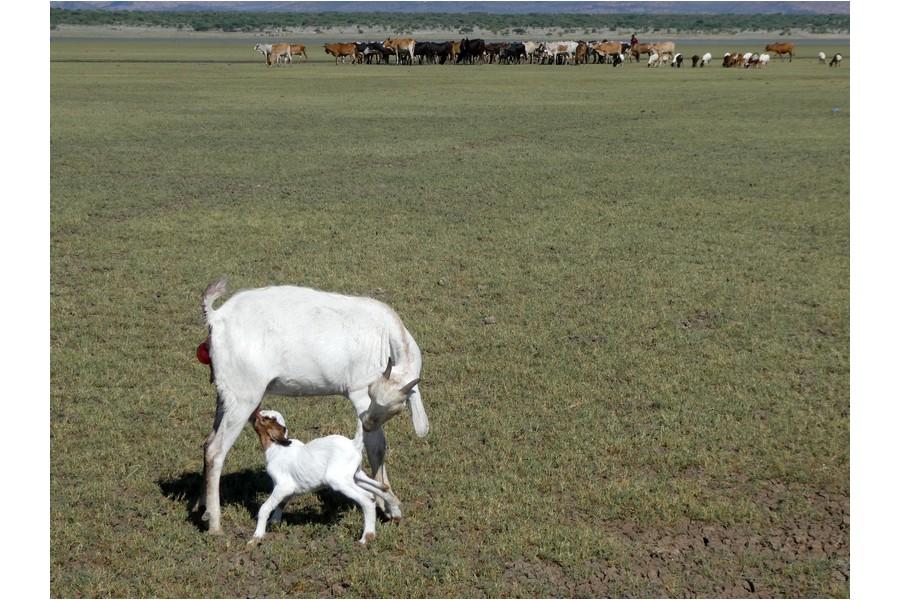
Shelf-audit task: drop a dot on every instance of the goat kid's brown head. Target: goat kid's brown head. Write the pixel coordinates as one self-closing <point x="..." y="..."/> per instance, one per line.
<point x="388" y="397"/>
<point x="271" y="428"/>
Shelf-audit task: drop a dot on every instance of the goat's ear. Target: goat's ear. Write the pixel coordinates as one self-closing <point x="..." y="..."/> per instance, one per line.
<point x="409" y="386"/>
<point x="387" y="371"/>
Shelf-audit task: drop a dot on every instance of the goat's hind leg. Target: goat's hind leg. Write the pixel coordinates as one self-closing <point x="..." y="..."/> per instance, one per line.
<point x="382" y="492"/>
<point x="200" y="504"/>
<point x="230" y="424"/>
<point x="363" y="499"/>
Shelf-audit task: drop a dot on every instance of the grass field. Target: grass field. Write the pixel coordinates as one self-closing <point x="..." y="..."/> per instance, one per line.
<point x="631" y="288"/>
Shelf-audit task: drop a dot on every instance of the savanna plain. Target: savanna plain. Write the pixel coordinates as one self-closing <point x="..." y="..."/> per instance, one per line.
<point x="630" y="285"/>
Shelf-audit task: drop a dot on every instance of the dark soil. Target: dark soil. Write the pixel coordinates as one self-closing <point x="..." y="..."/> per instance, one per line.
<point x="791" y="557"/>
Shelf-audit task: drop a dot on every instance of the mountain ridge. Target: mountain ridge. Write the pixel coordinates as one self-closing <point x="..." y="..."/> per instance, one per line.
<point x="502" y="8"/>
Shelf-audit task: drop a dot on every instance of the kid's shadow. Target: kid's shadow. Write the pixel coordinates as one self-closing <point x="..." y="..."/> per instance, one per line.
<point x="249" y="489"/>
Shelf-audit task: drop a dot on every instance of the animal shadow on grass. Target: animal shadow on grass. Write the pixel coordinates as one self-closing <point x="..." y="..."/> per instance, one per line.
<point x="250" y="488"/>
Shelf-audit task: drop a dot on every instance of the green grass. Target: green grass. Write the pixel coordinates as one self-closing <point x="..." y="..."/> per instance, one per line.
<point x="665" y="252"/>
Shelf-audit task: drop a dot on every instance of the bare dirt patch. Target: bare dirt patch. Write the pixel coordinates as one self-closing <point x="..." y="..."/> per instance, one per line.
<point x="792" y="556"/>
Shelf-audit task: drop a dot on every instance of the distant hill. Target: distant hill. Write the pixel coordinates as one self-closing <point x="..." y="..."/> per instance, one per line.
<point x="500" y="8"/>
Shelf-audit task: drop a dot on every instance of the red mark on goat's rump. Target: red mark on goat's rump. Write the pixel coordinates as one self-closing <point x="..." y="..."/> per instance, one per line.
<point x="203" y="352"/>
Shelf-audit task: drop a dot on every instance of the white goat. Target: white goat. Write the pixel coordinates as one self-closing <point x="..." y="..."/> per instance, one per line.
<point x="295" y="341"/>
<point x="764" y="60"/>
<point x="821" y="56"/>
<point x="706" y="58"/>
<point x="653" y="61"/>
<point x="836" y="60"/>
<point x="297" y="468"/>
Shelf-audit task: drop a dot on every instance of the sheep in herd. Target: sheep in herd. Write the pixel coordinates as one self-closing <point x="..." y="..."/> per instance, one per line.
<point x="297" y="468"/>
<point x="836" y="60"/>
<point x="821" y="56"/>
<point x="295" y="341"/>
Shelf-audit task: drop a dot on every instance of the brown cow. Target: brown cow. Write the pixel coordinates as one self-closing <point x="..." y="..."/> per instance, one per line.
<point x="340" y="51"/>
<point x="639" y="49"/>
<point x="664" y="48"/>
<point x="299" y="50"/>
<point x="402" y="46"/>
<point x="278" y="52"/>
<point x="782" y="48"/>
<point x="606" y="48"/>
<point x="581" y="53"/>
<point x="454" y="51"/>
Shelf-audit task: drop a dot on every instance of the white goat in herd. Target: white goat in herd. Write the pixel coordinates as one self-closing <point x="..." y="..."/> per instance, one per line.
<point x="297" y="468"/>
<point x="294" y="341"/>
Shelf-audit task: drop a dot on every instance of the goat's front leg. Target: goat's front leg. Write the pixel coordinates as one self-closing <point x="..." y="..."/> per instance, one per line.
<point x="279" y="494"/>
<point x="376" y="447"/>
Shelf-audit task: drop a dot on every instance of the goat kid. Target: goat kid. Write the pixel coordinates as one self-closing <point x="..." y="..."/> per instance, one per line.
<point x="297" y="468"/>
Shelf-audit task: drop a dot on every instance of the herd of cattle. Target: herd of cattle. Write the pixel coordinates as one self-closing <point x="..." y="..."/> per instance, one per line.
<point x="466" y="51"/>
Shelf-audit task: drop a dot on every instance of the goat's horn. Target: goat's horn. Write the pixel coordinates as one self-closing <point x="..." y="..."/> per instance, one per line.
<point x="409" y="386"/>
<point x="387" y="371"/>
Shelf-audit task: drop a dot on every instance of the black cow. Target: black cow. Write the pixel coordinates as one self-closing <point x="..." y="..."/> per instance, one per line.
<point x="425" y="51"/>
<point x="434" y="51"/>
<point x="514" y="52"/>
<point x="470" y="51"/>
<point x="373" y="52"/>
<point x="493" y="50"/>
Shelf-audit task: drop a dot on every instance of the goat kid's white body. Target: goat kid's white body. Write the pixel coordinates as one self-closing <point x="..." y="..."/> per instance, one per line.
<point x="328" y="462"/>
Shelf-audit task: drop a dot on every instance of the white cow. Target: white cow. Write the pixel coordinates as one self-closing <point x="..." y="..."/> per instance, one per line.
<point x="530" y="49"/>
<point x="554" y="49"/>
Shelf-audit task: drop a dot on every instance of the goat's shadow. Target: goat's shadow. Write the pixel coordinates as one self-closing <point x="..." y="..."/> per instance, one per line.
<point x="246" y="488"/>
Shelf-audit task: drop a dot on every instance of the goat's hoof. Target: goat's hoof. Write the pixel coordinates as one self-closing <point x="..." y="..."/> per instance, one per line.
<point x="367" y="538"/>
<point x="215" y="531"/>
<point x="254" y="541"/>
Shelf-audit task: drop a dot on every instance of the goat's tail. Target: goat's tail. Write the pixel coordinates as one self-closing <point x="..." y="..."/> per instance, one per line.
<point x="212" y="293"/>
